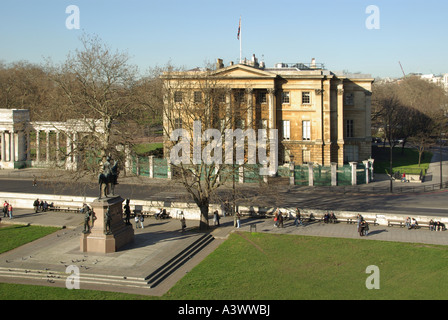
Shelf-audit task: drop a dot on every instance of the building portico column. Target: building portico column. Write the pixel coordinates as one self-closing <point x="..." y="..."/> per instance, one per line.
<point x="69" y="156"/>
<point x="37" y="146"/>
<point x="12" y="152"/>
<point x="340" y="124"/>
<point x="272" y="108"/>
<point x="250" y="108"/>
<point x="57" y="147"/>
<point x="47" y="140"/>
<point x="7" y="146"/>
<point x="3" y="155"/>
<point x="227" y="124"/>
<point x="28" y="146"/>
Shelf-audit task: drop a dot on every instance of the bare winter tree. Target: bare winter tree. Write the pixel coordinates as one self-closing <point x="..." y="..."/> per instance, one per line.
<point x="96" y="88"/>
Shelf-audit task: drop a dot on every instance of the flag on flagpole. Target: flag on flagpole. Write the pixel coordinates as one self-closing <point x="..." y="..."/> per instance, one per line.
<point x="239" y="30"/>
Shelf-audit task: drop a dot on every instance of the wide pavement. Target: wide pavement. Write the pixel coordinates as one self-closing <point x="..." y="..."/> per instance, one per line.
<point x="46" y="260"/>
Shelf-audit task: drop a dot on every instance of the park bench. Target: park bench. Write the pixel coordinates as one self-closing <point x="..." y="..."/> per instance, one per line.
<point x="396" y="222"/>
<point x="370" y="220"/>
<point x="348" y="220"/>
<point x="73" y="209"/>
<point x="147" y="214"/>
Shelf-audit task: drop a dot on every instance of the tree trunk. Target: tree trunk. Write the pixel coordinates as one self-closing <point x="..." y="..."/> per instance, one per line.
<point x="203" y="222"/>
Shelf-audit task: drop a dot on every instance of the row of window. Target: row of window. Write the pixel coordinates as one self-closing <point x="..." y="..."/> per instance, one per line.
<point x="239" y="96"/>
<point x="306" y="129"/>
<point x="306" y="97"/>
<point x="261" y="97"/>
<point x="351" y="153"/>
<point x="286" y="127"/>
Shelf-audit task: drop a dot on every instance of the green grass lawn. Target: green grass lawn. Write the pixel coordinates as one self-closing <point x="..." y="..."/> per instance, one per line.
<point x="266" y="266"/>
<point x="402" y="160"/>
<point x="17" y="235"/>
<point x="144" y="148"/>
<point x="276" y="267"/>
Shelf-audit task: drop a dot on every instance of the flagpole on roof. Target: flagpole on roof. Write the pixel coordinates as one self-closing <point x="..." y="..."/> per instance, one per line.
<point x="240" y="38"/>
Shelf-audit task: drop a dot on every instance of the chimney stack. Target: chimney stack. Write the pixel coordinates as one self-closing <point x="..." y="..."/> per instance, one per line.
<point x="219" y="64"/>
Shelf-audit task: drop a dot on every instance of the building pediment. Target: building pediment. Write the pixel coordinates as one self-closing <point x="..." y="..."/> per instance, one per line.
<point x="243" y="71"/>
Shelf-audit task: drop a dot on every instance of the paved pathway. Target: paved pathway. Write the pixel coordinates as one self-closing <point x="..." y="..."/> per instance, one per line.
<point x="45" y="261"/>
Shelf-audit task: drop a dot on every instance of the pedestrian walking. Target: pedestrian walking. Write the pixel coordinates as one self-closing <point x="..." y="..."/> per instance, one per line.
<point x="10" y="211"/>
<point x="34" y="181"/>
<point x="136" y="220"/>
<point x="238" y="219"/>
<point x="36" y="205"/>
<point x="280" y="219"/>
<point x="5" y="209"/>
<point x="142" y="218"/>
<point x="216" y="218"/>
<point x="183" y="223"/>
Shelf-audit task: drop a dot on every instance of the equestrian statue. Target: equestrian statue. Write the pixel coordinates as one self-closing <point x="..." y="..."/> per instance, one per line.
<point x="108" y="177"/>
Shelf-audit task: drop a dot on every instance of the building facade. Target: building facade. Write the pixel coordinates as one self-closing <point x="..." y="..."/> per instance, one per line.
<point x="321" y="116"/>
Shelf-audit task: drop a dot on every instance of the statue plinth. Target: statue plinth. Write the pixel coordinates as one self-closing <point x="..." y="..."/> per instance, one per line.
<point x="104" y="236"/>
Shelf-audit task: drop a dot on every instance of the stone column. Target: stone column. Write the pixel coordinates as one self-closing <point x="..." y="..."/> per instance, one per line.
<point x="12" y="152"/>
<point x="310" y="174"/>
<point x="69" y="151"/>
<point x="57" y="147"/>
<point x="151" y="166"/>
<point x="127" y="161"/>
<point x="291" y="173"/>
<point x="371" y="168"/>
<point x="366" y="166"/>
<point x="250" y="108"/>
<point x="137" y="166"/>
<point x="241" y="174"/>
<point x="353" y="167"/>
<point x="37" y="146"/>
<point x="340" y="124"/>
<point x="169" y="171"/>
<point x="272" y="108"/>
<point x="75" y="151"/>
<point x="47" y="149"/>
<point x="28" y="145"/>
<point x="3" y="146"/>
<point x="334" y="174"/>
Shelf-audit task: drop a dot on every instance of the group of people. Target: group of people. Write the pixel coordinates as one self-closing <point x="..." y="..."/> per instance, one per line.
<point x="363" y="226"/>
<point x="329" y="217"/>
<point x="43" y="205"/>
<point x="436" y="226"/>
<point x="7" y="210"/>
<point x="411" y="223"/>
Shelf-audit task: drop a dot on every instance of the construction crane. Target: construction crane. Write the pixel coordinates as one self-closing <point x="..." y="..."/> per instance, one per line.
<point x="404" y="75"/>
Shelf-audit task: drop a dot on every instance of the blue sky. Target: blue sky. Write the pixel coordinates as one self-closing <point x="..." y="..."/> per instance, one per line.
<point x="190" y="33"/>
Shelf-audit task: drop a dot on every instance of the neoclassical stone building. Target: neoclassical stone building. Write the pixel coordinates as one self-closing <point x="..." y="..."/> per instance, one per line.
<point x="321" y="116"/>
<point x="49" y="139"/>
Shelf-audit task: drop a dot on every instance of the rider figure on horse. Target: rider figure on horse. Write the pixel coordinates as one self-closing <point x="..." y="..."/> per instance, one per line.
<point x="108" y="176"/>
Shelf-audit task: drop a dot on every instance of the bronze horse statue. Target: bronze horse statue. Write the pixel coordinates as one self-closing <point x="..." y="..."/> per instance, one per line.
<point x="108" y="179"/>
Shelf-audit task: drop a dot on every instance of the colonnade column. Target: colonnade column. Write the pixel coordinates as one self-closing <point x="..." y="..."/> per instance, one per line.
<point x="340" y="124"/>
<point x="3" y="155"/>
<point x="12" y="151"/>
<point x="250" y="108"/>
<point x="37" y="146"/>
<point x="272" y="108"/>
<point x="47" y="137"/>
